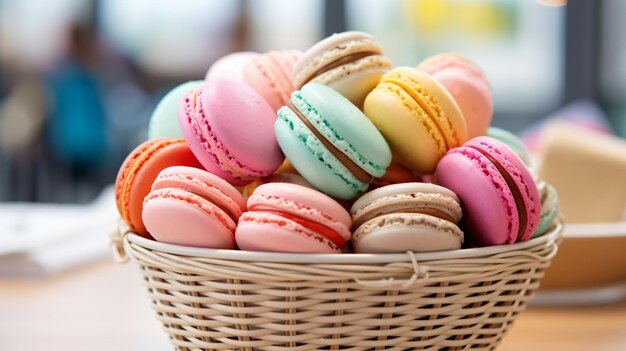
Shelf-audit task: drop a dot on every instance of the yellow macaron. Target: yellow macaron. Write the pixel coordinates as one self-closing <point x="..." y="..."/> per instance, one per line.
<point x="417" y="116"/>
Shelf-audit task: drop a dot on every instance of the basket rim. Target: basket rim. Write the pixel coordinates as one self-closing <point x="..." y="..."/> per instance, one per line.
<point x="342" y="258"/>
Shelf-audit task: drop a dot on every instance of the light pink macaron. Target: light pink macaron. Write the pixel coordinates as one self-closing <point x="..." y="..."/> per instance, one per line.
<point x="230" y="129"/>
<point x="270" y="75"/>
<point x="192" y="207"/>
<point x="467" y="84"/>
<point x="285" y="217"/>
<point x="231" y="66"/>
<point x="500" y="201"/>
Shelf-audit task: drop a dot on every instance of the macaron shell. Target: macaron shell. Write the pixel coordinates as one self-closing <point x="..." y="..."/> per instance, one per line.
<point x="187" y="220"/>
<point x="303" y="202"/>
<point x="467" y="83"/>
<point x="510" y="140"/>
<point x="549" y="209"/>
<point x="286" y="167"/>
<point x="202" y="148"/>
<point x="519" y="174"/>
<point x="291" y="178"/>
<point x="244" y="122"/>
<point x="230" y="129"/>
<point x="489" y="210"/>
<point x="355" y="80"/>
<point x="414" y="141"/>
<point x="403" y="232"/>
<point x="440" y="105"/>
<point x="473" y="97"/>
<point x="204" y="184"/>
<point x="331" y="49"/>
<point x="142" y="173"/>
<point x="258" y="231"/>
<point x="231" y="66"/>
<point x="401" y="189"/>
<point x="170" y="155"/>
<point x="270" y="75"/>
<point x="448" y="60"/>
<point x="344" y="126"/>
<point x="406" y="197"/>
<point x="312" y="160"/>
<point x="417" y="116"/>
<point x="121" y="185"/>
<point x="164" y="119"/>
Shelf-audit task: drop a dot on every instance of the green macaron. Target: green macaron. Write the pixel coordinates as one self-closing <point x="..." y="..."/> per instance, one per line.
<point x="164" y="119"/>
<point x="330" y="142"/>
<point x="549" y="207"/>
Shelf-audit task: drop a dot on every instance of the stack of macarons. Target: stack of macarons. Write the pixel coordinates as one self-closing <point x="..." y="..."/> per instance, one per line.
<point x="332" y="150"/>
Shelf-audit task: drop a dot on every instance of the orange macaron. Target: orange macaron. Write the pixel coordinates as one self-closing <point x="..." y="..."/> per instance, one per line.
<point x="139" y="171"/>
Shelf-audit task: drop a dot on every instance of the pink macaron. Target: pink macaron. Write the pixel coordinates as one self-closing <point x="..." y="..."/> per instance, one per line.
<point x="270" y="75"/>
<point x="285" y="217"/>
<point x="230" y="129"/>
<point x="467" y="84"/>
<point x="500" y="201"/>
<point x="231" y="66"/>
<point x="192" y="207"/>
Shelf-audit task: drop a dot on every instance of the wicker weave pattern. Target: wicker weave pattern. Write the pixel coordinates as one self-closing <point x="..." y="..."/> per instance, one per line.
<point x="455" y="304"/>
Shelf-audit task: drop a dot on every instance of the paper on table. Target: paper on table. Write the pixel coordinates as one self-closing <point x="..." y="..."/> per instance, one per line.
<point x="39" y="239"/>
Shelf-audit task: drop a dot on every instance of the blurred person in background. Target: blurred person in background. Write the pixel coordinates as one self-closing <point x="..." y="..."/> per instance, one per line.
<point x="75" y="129"/>
<point x="22" y="114"/>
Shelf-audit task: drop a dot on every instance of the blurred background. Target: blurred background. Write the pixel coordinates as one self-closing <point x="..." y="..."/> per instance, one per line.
<point x="79" y="78"/>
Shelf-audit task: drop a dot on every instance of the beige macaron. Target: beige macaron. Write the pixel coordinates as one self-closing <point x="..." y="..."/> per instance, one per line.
<point x="349" y="62"/>
<point x="416" y="217"/>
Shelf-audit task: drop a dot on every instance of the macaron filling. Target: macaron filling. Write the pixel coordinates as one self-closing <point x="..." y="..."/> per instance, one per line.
<point x="353" y="57"/>
<point x="319" y="228"/>
<point x="515" y="191"/>
<point x="393" y="210"/>
<point x="352" y="166"/>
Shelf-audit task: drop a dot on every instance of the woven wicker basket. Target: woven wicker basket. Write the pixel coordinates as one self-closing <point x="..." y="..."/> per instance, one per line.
<point x="235" y="300"/>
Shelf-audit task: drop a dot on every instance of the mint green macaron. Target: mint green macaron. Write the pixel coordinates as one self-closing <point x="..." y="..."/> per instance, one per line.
<point x="549" y="207"/>
<point x="164" y="119"/>
<point x="330" y="142"/>
<point x="511" y="140"/>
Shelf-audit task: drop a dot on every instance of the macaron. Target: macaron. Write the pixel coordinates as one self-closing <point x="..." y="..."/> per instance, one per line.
<point x="164" y="119"/>
<point x="139" y="171"/>
<point x="467" y="84"/>
<point x="395" y="174"/>
<point x="330" y="142"/>
<point x="286" y="167"/>
<point x="231" y="66"/>
<point x="417" y="116"/>
<point x="229" y="127"/>
<point x="270" y="75"/>
<point x="511" y="140"/>
<point x="192" y="207"/>
<point x="500" y="201"/>
<point x="349" y="62"/>
<point x="549" y="207"/>
<point x="404" y="217"/>
<point x="286" y="217"/>
<point x="291" y="178"/>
